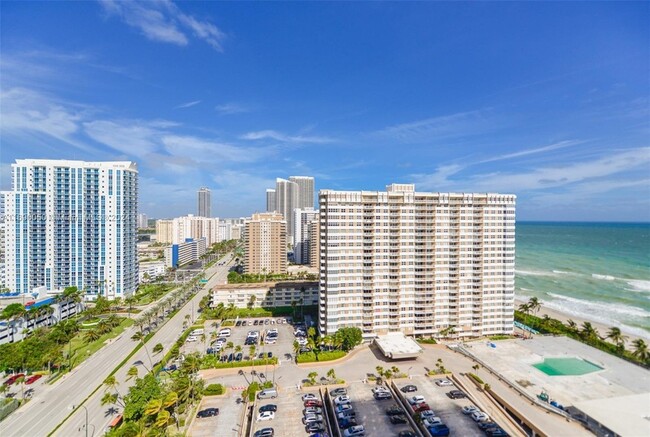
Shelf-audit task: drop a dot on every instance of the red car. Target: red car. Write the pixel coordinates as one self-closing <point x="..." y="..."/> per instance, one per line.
<point x="313" y="403"/>
<point x="13" y="378"/>
<point x="420" y="407"/>
<point x="32" y="379"/>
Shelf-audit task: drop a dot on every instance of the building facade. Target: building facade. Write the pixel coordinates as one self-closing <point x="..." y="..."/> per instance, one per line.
<point x="419" y="263"/>
<point x="270" y="200"/>
<point x="72" y="223"/>
<point x="286" y="198"/>
<point x="314" y="242"/>
<point x="177" y="230"/>
<point x="305" y="191"/>
<point x="143" y="221"/>
<point x="266" y="294"/>
<point x="178" y="255"/>
<point x="302" y="238"/>
<point x="204" y="207"/>
<point x="265" y="244"/>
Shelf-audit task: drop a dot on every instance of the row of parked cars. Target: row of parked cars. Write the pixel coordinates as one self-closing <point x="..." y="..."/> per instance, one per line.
<point x="346" y="416"/>
<point x="490" y="428"/>
<point x="29" y="380"/>
<point x="430" y="420"/>
<point x="258" y="322"/>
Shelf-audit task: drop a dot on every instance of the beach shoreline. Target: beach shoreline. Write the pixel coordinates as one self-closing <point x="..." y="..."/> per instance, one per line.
<point x="564" y="317"/>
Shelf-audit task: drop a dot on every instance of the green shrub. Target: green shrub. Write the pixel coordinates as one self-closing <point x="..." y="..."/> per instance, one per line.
<point x="214" y="389"/>
<point x="310" y="357"/>
<point x="500" y="337"/>
<point x="427" y="341"/>
<point x="476" y="378"/>
<point x="211" y="362"/>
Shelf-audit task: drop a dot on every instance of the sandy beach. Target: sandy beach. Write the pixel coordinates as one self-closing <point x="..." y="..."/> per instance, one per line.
<point x="600" y="327"/>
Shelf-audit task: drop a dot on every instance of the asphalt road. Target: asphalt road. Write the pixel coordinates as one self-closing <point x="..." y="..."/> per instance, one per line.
<point x="52" y="403"/>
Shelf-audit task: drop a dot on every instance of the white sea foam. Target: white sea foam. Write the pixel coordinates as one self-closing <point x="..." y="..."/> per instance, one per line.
<point x="562" y="272"/>
<point x="595" y="311"/>
<point x="603" y="277"/>
<point x="639" y="285"/>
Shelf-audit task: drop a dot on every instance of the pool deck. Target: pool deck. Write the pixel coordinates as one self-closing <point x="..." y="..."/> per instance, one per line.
<point x="514" y="360"/>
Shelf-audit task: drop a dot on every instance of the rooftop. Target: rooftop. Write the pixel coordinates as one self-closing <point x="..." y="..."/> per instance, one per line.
<point x="398" y="346"/>
<point x="624" y="415"/>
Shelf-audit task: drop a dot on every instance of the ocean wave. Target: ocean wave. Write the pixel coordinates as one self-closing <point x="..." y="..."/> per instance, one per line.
<point x="604" y="307"/>
<point x="534" y="273"/>
<point x="603" y="277"/>
<point x="562" y="272"/>
<point x="639" y="285"/>
<point x="594" y="311"/>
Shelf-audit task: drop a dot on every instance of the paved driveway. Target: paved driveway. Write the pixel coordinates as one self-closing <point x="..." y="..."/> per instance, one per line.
<point x="226" y="424"/>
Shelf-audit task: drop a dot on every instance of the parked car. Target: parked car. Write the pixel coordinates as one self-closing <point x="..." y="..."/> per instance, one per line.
<point x="256" y="322"/>
<point x="393" y="410"/>
<point x="406" y="434"/>
<point x="416" y="400"/>
<point x="379" y="389"/>
<point x="310" y="418"/>
<point x="32" y="379"/>
<point x="264" y="432"/>
<point x="456" y="394"/>
<point x="340" y="400"/>
<point x="224" y="333"/>
<point x="265" y="415"/>
<point x="269" y="407"/>
<point x="479" y="416"/>
<point x="170" y="368"/>
<point x="347" y="422"/>
<point x="309" y="397"/>
<point x="421" y="407"/>
<point x="313" y="403"/>
<point x="208" y="412"/>
<point x="315" y="427"/>
<point x="343" y="407"/>
<point x="487" y="424"/>
<point x="469" y="409"/>
<point x="431" y="421"/>
<point x="409" y="388"/>
<point x="354" y="431"/>
<point x="312" y="410"/>
<point x="427" y="413"/>
<point x="439" y="430"/>
<point x="382" y="395"/>
<point x="338" y="392"/>
<point x="346" y="414"/>
<point x="191" y="339"/>
<point x="398" y="419"/>
<point x="496" y="432"/>
<point x="444" y="383"/>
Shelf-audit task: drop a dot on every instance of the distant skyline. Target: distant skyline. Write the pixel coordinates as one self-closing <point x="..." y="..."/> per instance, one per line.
<point x="549" y="101"/>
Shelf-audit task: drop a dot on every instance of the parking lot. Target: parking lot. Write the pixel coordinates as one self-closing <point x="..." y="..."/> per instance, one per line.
<point x="371" y="413"/>
<point x="449" y="410"/>
<point x="226" y="424"/>
<point x="288" y="418"/>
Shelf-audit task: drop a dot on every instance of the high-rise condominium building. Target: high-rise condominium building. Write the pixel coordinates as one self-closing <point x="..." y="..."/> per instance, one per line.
<point x="286" y="198"/>
<point x="305" y="191"/>
<point x="314" y="242"/>
<point x="143" y="221"/>
<point x="265" y="244"/>
<point x="270" y="200"/>
<point x="302" y="238"/>
<point x="177" y="230"/>
<point x="204" y="205"/>
<point x="419" y="263"/>
<point x="72" y="223"/>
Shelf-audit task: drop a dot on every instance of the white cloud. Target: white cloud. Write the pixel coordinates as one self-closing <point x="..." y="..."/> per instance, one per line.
<point x="132" y="137"/>
<point x="278" y="136"/>
<point x="163" y="21"/>
<point x="231" y="108"/>
<point x="555" y="146"/>
<point x="188" y="104"/>
<point x="212" y="151"/>
<point x="447" y="126"/>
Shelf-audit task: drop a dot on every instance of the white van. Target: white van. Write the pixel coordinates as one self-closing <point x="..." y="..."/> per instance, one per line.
<point x="269" y="393"/>
<point x="224" y="333"/>
<point x="197" y="332"/>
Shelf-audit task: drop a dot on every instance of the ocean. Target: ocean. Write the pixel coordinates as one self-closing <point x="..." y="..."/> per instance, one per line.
<point x="598" y="271"/>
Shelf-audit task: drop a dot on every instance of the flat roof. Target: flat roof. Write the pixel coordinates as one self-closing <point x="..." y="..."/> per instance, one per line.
<point x="397" y="346"/>
<point x="624" y="415"/>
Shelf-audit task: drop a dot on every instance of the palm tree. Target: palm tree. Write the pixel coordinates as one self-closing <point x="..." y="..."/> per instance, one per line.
<point x="158" y="348"/>
<point x="139" y="336"/>
<point x="588" y="331"/>
<point x="312" y="377"/>
<point x="380" y="370"/>
<point x="91" y="335"/>
<point x="331" y="374"/>
<point x="132" y="372"/>
<point x="573" y="326"/>
<point x="617" y="337"/>
<point x="130" y="301"/>
<point x="641" y="350"/>
<point x="103" y="327"/>
<point x="534" y="304"/>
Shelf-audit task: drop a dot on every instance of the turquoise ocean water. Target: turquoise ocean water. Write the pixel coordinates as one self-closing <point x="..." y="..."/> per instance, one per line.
<point x="599" y="271"/>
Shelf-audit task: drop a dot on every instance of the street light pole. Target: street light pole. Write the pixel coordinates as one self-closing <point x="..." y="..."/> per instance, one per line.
<point x="86" y="410"/>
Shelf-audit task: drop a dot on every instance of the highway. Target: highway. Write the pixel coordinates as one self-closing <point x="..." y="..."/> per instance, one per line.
<point x="52" y="403"/>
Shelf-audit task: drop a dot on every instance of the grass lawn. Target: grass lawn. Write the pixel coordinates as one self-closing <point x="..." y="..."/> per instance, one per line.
<point x="149" y="292"/>
<point x="82" y="350"/>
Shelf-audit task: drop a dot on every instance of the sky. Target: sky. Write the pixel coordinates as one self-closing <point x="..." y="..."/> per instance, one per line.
<point x="546" y="100"/>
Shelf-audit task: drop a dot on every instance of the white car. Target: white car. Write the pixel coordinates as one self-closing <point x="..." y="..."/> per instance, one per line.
<point x="416" y="400"/>
<point x="354" y="431"/>
<point x="469" y="409"/>
<point x="340" y="400"/>
<point x="479" y="416"/>
<point x="224" y="333"/>
<point x="309" y="418"/>
<point x="191" y="338"/>
<point x="302" y="341"/>
<point x="309" y="397"/>
<point x="431" y="421"/>
<point x="380" y="389"/>
<point x="265" y="415"/>
<point x="444" y="383"/>
<point x="427" y="413"/>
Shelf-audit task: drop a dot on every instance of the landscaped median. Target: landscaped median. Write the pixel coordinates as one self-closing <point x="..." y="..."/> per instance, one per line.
<point x="212" y="362"/>
<point x="311" y="357"/>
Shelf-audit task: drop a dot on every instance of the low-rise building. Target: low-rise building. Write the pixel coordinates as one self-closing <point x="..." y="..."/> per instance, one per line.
<point x="180" y="254"/>
<point x="151" y="270"/>
<point x="266" y="294"/>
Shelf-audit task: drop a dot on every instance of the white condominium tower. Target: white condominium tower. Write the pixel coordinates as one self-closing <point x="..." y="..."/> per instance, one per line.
<point x="204" y="203"/>
<point x="301" y="220"/>
<point x="419" y="263"/>
<point x="270" y="200"/>
<point x="305" y="191"/>
<point x="72" y="223"/>
<point x="286" y="200"/>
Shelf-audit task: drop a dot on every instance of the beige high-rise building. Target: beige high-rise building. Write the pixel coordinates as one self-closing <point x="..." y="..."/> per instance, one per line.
<point x="165" y="231"/>
<point x="265" y="244"/>
<point x="314" y="242"/>
<point x="419" y="263"/>
<point x="177" y="230"/>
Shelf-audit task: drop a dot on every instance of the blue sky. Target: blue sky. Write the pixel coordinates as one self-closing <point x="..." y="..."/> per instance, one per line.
<point x="549" y="101"/>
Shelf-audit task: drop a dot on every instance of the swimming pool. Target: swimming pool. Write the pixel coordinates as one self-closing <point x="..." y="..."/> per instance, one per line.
<point x="566" y="366"/>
